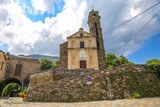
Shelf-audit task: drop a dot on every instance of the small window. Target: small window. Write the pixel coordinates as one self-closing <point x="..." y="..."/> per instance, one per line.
<point x="95" y="25"/>
<point x="81" y="44"/>
<point x="81" y="35"/>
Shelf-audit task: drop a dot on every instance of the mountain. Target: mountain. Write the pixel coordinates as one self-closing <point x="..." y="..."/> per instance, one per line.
<point x="37" y="56"/>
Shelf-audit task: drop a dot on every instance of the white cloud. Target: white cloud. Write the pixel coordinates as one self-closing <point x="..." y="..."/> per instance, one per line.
<point x="39" y="5"/>
<point x="45" y="5"/>
<point x="24" y="36"/>
<point x="116" y="12"/>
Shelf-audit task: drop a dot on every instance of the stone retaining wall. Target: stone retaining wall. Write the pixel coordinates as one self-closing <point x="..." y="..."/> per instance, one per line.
<point x="48" y="76"/>
<point x="117" y="83"/>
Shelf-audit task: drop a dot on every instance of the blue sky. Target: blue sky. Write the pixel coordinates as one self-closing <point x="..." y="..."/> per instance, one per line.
<point x="39" y="26"/>
<point x="150" y="49"/>
<point x="4" y="47"/>
<point x="57" y="7"/>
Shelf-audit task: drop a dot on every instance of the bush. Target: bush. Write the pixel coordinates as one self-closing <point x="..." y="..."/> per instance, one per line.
<point x="22" y="93"/>
<point x="46" y="64"/>
<point x="136" y="95"/>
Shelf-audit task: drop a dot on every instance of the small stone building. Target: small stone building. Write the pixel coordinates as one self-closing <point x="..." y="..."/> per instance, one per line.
<point x="17" y="67"/>
<point x="84" y="50"/>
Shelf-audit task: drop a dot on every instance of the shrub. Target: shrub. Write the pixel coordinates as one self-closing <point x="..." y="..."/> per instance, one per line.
<point x="136" y="95"/>
<point x="46" y="64"/>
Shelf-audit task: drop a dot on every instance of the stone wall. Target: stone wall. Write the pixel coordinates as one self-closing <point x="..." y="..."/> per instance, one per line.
<point x="116" y="83"/>
<point x="2" y="64"/>
<point x="63" y="55"/>
<point x="41" y="78"/>
<point x="49" y="76"/>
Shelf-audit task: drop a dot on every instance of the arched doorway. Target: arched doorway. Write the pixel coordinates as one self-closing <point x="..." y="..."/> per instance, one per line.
<point x="11" y="87"/>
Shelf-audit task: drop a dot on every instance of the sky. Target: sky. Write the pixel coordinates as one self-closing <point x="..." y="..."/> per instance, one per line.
<point x="40" y="26"/>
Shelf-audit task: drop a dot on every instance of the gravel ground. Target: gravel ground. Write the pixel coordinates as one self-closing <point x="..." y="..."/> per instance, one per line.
<point x="145" y="102"/>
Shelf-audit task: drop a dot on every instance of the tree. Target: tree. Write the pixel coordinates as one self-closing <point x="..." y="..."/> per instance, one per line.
<point x="112" y="60"/>
<point x="122" y="60"/>
<point x="55" y="64"/>
<point x="153" y="61"/>
<point x="46" y="64"/>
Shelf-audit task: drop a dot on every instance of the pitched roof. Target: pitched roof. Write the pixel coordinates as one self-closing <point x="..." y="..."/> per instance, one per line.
<point x="2" y="51"/>
<point x="81" y="31"/>
<point x="23" y="58"/>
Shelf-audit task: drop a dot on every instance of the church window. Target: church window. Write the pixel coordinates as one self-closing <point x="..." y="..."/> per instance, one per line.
<point x="97" y="36"/>
<point x="81" y="44"/>
<point x="95" y="25"/>
<point x="98" y="45"/>
<point x="96" y="30"/>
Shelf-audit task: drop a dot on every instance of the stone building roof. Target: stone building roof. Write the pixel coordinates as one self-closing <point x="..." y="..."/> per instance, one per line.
<point x="13" y="57"/>
<point x="2" y="51"/>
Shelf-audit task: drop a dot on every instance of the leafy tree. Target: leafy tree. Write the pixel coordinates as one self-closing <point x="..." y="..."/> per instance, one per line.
<point x="122" y="60"/>
<point x="46" y="64"/>
<point x="112" y="60"/>
<point x="55" y="64"/>
<point x="153" y="61"/>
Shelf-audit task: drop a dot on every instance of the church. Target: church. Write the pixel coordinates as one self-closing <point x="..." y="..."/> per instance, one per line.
<point x="84" y="50"/>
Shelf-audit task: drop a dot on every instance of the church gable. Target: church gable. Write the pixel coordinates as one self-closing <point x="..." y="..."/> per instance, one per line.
<point x="81" y="33"/>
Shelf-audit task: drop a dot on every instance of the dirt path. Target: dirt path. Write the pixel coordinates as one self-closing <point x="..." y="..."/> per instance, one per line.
<point x="146" y="102"/>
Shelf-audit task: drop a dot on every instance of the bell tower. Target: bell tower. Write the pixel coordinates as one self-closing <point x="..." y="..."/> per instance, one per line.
<point x="96" y="30"/>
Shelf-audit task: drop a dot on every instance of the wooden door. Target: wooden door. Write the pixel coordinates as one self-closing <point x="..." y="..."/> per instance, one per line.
<point x="83" y="64"/>
<point x="18" y="70"/>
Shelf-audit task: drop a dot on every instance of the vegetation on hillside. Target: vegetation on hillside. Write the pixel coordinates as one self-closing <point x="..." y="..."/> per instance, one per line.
<point x="112" y="60"/>
<point x="153" y="61"/>
<point x="48" y="64"/>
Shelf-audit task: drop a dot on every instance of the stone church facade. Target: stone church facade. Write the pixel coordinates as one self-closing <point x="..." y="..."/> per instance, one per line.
<point x="84" y="50"/>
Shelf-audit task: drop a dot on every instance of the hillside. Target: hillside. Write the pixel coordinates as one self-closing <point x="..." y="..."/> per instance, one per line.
<point x="37" y="56"/>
